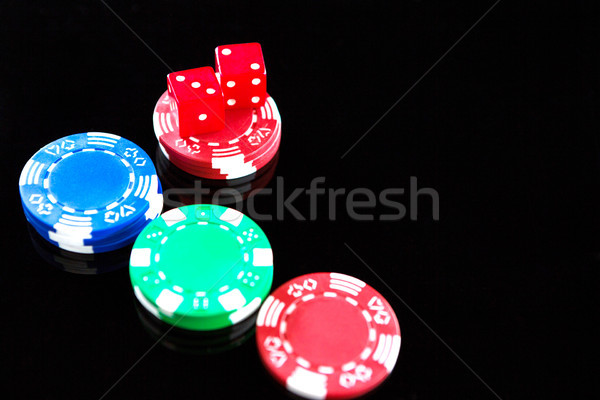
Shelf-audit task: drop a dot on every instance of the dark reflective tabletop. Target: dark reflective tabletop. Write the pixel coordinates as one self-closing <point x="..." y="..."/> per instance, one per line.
<point x="452" y="151"/>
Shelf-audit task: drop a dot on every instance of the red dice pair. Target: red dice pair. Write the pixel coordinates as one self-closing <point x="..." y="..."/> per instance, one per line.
<point x="202" y="96"/>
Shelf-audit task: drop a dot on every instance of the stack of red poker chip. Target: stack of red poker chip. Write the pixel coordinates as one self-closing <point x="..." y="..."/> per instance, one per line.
<point x="248" y="142"/>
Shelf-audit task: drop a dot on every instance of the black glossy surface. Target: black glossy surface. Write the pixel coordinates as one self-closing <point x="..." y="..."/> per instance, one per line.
<point x="504" y="128"/>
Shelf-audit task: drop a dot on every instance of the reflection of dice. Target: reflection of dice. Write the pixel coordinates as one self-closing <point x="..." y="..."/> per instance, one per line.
<point x="199" y="100"/>
<point x="243" y="74"/>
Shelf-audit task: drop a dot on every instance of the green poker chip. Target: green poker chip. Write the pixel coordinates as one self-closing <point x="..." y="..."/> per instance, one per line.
<point x="202" y="267"/>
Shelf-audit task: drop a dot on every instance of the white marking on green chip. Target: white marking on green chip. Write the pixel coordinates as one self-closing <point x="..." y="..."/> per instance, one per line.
<point x="140" y="257"/>
<point x="245" y="311"/>
<point x="178" y="289"/>
<point x="232" y="300"/>
<point x="173" y="216"/>
<point x="262" y="257"/>
<point x="232" y="216"/>
<point x="144" y="301"/>
<point x="168" y="300"/>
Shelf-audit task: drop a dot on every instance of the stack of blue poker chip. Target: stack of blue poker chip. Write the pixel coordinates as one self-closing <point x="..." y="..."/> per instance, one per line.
<point x="91" y="192"/>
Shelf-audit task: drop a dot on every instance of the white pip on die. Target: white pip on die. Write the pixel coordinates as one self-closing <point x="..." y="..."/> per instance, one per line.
<point x="243" y="76"/>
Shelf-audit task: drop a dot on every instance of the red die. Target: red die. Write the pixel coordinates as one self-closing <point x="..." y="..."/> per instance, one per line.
<point x="243" y="74"/>
<point x="199" y="100"/>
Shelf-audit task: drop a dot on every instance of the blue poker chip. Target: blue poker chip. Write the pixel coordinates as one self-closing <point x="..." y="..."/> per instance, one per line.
<point x="118" y="243"/>
<point x="62" y="240"/>
<point x="77" y="245"/>
<point x="88" y="247"/>
<point x="90" y="190"/>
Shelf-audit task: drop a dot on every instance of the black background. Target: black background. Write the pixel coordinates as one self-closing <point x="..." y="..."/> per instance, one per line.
<point x="504" y="128"/>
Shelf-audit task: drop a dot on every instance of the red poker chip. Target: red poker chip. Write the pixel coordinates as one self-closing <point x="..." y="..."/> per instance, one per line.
<point x="248" y="168"/>
<point x="248" y="158"/>
<point x="328" y="335"/>
<point x="229" y="153"/>
<point x="250" y="165"/>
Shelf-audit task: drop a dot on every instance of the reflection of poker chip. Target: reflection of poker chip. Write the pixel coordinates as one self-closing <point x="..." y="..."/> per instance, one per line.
<point x="194" y="342"/>
<point x="202" y="267"/>
<point x="182" y="188"/>
<point x="248" y="142"/>
<point x="328" y="335"/>
<point x="90" y="192"/>
<point x="76" y="263"/>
